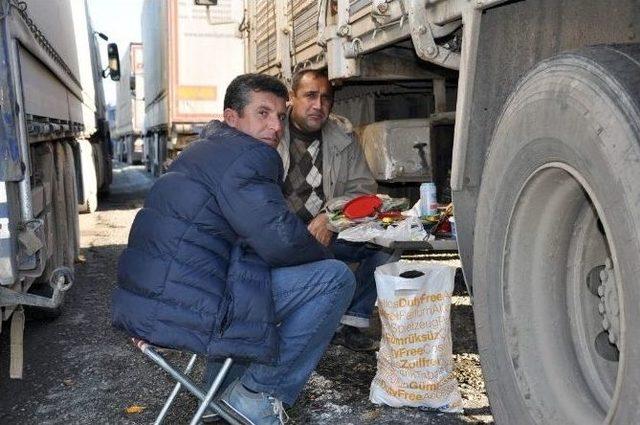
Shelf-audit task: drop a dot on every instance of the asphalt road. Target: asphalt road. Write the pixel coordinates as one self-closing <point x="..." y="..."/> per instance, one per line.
<point x="78" y="370"/>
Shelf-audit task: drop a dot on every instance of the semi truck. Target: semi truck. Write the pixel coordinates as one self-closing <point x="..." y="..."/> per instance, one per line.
<point x="129" y="143"/>
<point x="528" y="113"/>
<point x="55" y="156"/>
<point x="190" y="55"/>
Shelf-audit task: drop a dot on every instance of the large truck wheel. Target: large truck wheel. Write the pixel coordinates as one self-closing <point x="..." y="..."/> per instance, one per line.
<point x="558" y="228"/>
<point x="71" y="200"/>
<point x="62" y="247"/>
<point x="99" y="164"/>
<point x="128" y="143"/>
<point x="44" y="160"/>
<point x="89" y="201"/>
<point x="64" y="207"/>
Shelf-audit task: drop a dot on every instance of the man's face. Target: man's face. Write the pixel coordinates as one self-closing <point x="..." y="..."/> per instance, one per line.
<point x="262" y="118"/>
<point x="311" y="103"/>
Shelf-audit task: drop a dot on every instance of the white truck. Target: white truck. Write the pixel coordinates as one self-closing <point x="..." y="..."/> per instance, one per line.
<point x="544" y="159"/>
<point x="55" y="156"/>
<point x="190" y="56"/>
<point x="129" y="144"/>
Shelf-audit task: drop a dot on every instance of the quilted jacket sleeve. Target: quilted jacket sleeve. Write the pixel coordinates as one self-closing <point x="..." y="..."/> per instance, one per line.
<point x="251" y="199"/>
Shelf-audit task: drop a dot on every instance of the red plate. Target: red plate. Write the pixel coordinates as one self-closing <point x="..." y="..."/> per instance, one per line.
<point x="362" y="206"/>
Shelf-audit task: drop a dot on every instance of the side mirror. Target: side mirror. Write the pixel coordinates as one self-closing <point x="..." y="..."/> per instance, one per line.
<point x="132" y="84"/>
<point x="113" y="69"/>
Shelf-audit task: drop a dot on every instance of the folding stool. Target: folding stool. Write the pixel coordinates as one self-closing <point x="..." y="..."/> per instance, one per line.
<point x="205" y="397"/>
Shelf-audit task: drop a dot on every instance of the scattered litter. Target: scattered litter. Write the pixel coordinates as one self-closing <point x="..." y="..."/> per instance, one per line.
<point x="133" y="409"/>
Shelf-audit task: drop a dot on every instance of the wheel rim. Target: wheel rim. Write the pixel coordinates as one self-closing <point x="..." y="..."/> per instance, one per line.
<point x="555" y="249"/>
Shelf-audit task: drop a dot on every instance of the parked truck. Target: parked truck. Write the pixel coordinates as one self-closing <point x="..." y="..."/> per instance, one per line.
<point x="55" y="156"/>
<point x="190" y="55"/>
<point x="128" y="138"/>
<point x="544" y="158"/>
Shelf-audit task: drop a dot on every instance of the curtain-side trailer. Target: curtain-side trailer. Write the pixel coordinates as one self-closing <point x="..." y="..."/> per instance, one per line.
<point x="190" y="56"/>
<point x="129" y="124"/>
<point x="54" y="144"/>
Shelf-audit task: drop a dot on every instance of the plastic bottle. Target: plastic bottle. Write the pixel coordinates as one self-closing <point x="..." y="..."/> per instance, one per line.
<point x="428" y="200"/>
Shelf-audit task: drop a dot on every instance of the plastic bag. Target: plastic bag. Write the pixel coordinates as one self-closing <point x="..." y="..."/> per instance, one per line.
<point x="415" y="362"/>
<point x="409" y="229"/>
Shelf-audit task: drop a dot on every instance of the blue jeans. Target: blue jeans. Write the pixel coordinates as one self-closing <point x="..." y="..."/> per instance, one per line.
<point x="309" y="301"/>
<point x="368" y="258"/>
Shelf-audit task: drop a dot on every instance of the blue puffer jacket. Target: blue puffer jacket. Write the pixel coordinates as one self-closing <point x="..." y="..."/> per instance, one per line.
<point x="196" y="272"/>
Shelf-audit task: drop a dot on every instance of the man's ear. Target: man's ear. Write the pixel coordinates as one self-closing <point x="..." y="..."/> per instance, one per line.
<point x="231" y="117"/>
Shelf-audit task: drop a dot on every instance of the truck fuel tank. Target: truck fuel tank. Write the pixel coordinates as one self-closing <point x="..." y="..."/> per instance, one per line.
<point x="398" y="150"/>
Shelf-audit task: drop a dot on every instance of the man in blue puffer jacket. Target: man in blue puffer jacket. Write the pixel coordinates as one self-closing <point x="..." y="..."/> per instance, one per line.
<point x="218" y="265"/>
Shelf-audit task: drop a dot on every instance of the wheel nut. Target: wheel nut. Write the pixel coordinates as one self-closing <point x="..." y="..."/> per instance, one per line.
<point x="606" y="324"/>
<point x="601" y="290"/>
<point x="612" y="338"/>
<point x="603" y="275"/>
<point x="601" y="308"/>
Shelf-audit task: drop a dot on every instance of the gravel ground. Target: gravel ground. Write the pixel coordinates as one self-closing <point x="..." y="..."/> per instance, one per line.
<point x="78" y="370"/>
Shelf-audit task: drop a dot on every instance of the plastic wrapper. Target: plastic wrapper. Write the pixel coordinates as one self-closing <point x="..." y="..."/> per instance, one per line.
<point x="409" y="229"/>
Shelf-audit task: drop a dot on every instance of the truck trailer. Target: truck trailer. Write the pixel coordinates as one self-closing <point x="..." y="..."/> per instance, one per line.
<point x="529" y="115"/>
<point x="190" y="55"/>
<point x="129" y="125"/>
<point x="55" y="157"/>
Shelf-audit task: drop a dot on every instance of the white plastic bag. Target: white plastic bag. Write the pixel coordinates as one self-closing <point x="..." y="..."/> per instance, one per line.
<point x="409" y="229"/>
<point x="415" y="362"/>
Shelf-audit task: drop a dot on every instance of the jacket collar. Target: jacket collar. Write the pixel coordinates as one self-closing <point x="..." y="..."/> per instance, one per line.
<point x="336" y="132"/>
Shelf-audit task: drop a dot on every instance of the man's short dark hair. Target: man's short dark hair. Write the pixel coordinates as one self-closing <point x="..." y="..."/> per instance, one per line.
<point x="317" y="73"/>
<point x="238" y="91"/>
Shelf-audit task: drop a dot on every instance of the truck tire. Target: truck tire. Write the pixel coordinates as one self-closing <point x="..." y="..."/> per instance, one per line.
<point x="89" y="201"/>
<point x="558" y="231"/>
<point x="128" y="143"/>
<point x="99" y="165"/>
<point x="155" y="155"/>
<point x="45" y="167"/>
<point x="71" y="200"/>
<point x="60" y="248"/>
<point x="61" y="208"/>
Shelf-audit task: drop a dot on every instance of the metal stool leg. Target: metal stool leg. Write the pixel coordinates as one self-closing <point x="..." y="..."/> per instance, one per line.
<point x="184" y="381"/>
<point x="174" y="393"/>
<point x="212" y="391"/>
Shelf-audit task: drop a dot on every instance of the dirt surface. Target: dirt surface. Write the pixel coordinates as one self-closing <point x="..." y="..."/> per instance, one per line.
<point x="78" y="370"/>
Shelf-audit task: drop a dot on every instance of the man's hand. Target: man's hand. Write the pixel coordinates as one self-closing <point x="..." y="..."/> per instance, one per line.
<point x="318" y="228"/>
